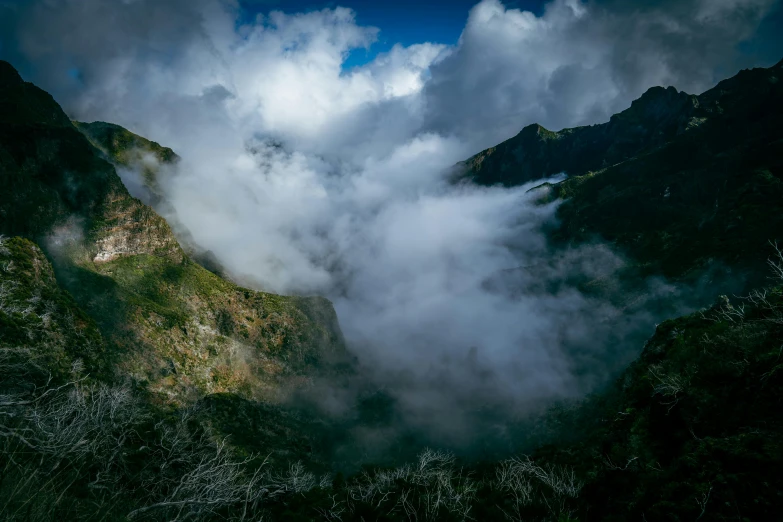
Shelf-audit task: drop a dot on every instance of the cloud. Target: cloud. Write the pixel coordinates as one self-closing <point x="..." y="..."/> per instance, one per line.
<point x="577" y="63"/>
<point x="302" y="177"/>
<point x="580" y="62"/>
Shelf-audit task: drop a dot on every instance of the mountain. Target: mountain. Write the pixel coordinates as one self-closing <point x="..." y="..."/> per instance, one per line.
<point x="678" y="182"/>
<point x="691" y="430"/>
<point x="167" y="323"/>
<point x="652" y="120"/>
<point x="124" y="149"/>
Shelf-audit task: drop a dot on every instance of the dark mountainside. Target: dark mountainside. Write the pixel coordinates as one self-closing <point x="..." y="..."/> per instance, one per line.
<point x="652" y="120"/>
<point x="124" y="363"/>
<point x="678" y="182"/>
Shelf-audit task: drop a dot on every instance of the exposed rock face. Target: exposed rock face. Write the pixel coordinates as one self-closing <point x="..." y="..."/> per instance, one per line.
<point x="149" y="161"/>
<point x="131" y="228"/>
<point x="51" y="175"/>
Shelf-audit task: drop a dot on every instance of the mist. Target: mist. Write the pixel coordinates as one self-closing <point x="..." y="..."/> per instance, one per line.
<point x="301" y="177"/>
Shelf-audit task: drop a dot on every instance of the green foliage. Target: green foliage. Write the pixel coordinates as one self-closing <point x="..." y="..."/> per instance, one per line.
<point x="165" y="321"/>
<point x="122" y="146"/>
<point x="126" y="149"/>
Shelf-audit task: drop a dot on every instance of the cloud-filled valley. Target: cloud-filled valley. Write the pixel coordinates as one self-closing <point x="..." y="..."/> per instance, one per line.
<point x="303" y="177"/>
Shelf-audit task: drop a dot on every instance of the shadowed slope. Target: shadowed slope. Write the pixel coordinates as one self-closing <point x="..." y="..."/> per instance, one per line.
<point x="677" y="181"/>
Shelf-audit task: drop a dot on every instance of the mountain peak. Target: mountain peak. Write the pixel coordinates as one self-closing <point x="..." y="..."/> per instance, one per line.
<point x="536" y="152"/>
<point x="24" y="103"/>
<point x="9" y="75"/>
<point x="536" y="130"/>
<point x="657" y="104"/>
<point x="656" y="94"/>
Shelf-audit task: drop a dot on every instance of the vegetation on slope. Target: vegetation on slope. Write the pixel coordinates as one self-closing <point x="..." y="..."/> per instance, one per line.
<point x="53" y="183"/>
<point x="125" y="149"/>
<point x="41" y="327"/>
<point x="690" y="431"/>
<point x="185" y="332"/>
<point x="678" y="182"/>
<point x="168" y="323"/>
<point x="114" y="402"/>
<point x="122" y="146"/>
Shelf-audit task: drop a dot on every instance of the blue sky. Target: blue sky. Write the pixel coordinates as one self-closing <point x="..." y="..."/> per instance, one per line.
<point x="401" y="21"/>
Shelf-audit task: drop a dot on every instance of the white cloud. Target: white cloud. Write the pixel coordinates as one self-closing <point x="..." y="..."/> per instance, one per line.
<point x="579" y="62"/>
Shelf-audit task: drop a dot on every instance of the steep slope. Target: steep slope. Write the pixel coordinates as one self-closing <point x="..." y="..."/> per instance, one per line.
<point x="41" y="327"/>
<point x="692" y="429"/>
<point x="677" y="181"/>
<point x="123" y="146"/>
<point x="167" y="322"/>
<point x="125" y="149"/>
<point x="193" y="333"/>
<point x="143" y="162"/>
<point x="51" y="175"/>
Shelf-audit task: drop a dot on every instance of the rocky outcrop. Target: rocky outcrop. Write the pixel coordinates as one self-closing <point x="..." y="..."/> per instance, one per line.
<point x="129" y="227"/>
<point x="149" y="162"/>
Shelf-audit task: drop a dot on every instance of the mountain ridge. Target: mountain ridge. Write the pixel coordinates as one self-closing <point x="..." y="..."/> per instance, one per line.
<point x="677" y="182"/>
